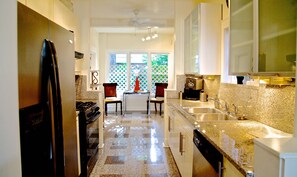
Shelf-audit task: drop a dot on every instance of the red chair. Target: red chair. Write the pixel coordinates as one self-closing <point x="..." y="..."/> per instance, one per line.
<point x="110" y="96"/>
<point x="159" y="96"/>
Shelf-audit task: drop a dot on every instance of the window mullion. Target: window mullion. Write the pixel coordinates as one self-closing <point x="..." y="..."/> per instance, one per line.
<point x="128" y="70"/>
<point x="149" y="72"/>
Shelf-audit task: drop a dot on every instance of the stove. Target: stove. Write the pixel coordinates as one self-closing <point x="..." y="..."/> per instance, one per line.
<point x="88" y="111"/>
<point x="88" y="134"/>
<point x="80" y="105"/>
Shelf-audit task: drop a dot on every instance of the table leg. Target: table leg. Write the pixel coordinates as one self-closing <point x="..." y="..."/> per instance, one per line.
<point x="124" y="101"/>
<point x="149" y="108"/>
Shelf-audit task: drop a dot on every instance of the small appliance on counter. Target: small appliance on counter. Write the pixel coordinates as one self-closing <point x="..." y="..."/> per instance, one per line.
<point x="203" y="96"/>
<point x="193" y="86"/>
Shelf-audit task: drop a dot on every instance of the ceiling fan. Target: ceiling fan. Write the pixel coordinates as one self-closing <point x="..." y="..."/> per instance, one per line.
<point x="145" y="23"/>
<point x="139" y="22"/>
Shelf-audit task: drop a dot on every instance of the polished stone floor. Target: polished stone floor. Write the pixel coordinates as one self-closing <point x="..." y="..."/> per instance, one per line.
<point x="133" y="147"/>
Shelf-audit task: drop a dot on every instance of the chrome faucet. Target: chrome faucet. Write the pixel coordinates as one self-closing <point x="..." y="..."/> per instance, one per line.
<point x="225" y="106"/>
<point x="235" y="109"/>
<point x="215" y="99"/>
<point x="218" y="103"/>
<point x="239" y="116"/>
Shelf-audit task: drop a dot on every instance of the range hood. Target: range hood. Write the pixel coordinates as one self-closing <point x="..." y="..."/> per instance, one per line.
<point x="78" y="55"/>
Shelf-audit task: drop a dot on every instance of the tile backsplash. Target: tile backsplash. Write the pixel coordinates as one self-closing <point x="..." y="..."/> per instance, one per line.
<point x="82" y="92"/>
<point x="272" y="106"/>
<point x="211" y="85"/>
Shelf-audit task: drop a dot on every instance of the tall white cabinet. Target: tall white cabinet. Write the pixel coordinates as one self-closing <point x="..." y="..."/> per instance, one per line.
<point x="203" y="40"/>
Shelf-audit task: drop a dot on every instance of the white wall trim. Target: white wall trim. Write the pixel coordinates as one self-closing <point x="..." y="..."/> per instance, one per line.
<point x="10" y="161"/>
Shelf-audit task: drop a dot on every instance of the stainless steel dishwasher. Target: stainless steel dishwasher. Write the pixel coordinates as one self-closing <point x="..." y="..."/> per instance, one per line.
<point x="208" y="161"/>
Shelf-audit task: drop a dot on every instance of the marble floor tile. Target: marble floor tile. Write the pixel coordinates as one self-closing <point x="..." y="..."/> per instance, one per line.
<point x="115" y="160"/>
<point x="111" y="175"/>
<point x="133" y="148"/>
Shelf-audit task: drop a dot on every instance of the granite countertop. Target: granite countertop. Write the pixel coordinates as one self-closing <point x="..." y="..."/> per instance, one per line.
<point x="233" y="138"/>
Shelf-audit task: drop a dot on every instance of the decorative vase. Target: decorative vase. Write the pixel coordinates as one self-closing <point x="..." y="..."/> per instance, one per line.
<point x="137" y="87"/>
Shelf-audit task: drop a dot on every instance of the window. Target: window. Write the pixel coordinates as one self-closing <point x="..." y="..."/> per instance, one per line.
<point x="159" y="69"/>
<point x="149" y="67"/>
<point x="138" y="66"/>
<point x="118" y="70"/>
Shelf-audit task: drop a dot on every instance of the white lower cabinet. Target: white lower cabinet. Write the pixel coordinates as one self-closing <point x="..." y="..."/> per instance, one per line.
<point x="181" y="142"/>
<point x="275" y="157"/>
<point x="230" y="170"/>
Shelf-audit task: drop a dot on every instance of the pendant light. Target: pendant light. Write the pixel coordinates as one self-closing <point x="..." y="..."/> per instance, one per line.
<point x="150" y="35"/>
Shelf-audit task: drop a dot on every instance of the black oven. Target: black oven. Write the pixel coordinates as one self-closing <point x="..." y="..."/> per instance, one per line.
<point x="89" y="135"/>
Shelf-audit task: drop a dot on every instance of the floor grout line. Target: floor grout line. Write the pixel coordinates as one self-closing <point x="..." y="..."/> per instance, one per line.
<point x="133" y="147"/>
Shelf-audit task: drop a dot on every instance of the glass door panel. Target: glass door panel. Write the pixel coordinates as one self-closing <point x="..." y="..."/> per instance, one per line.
<point x="139" y="68"/>
<point x="241" y="36"/>
<point x="277" y="36"/>
<point x="159" y="69"/>
<point x="118" y="71"/>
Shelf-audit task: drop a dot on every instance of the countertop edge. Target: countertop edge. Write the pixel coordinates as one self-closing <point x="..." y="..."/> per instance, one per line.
<point x="236" y="165"/>
<point x="284" y="153"/>
<point x="281" y="147"/>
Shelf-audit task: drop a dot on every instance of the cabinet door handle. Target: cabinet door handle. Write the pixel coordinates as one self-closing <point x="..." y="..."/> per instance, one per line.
<point x="169" y="124"/>
<point x="222" y="12"/>
<point x="181" y="143"/>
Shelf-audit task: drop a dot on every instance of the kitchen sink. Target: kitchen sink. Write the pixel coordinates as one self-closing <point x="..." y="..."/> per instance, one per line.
<point x="210" y="117"/>
<point x="209" y="114"/>
<point x="195" y="110"/>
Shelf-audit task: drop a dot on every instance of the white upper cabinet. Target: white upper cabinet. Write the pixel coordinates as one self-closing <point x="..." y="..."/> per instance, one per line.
<point x="203" y="40"/>
<point x="263" y="37"/>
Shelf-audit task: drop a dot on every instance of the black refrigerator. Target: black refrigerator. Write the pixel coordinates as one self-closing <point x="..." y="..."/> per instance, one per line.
<point x="46" y="80"/>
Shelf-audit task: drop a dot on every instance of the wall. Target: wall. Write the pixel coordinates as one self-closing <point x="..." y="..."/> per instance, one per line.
<point x="10" y="161"/>
<point x="130" y="42"/>
<point x="272" y="106"/>
<point x="82" y="10"/>
<point x="211" y="85"/>
<point x="94" y="48"/>
<point x="57" y="12"/>
<point x="82" y="93"/>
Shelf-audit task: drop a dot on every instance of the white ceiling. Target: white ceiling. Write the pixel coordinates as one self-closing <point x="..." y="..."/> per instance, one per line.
<point x="119" y="15"/>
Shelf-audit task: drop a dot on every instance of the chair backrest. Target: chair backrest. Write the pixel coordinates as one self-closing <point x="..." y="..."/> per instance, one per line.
<point x="160" y="89"/>
<point x="110" y="89"/>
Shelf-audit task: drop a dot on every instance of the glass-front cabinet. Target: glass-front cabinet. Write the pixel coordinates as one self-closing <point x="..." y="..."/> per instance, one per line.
<point x="241" y="37"/>
<point x="263" y="37"/>
<point x="202" y="40"/>
<point x="277" y="35"/>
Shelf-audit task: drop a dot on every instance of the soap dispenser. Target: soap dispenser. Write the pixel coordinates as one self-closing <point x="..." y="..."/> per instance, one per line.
<point x="203" y="96"/>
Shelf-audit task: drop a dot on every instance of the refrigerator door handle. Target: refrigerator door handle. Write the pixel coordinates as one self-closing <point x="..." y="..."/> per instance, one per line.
<point x="51" y="97"/>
